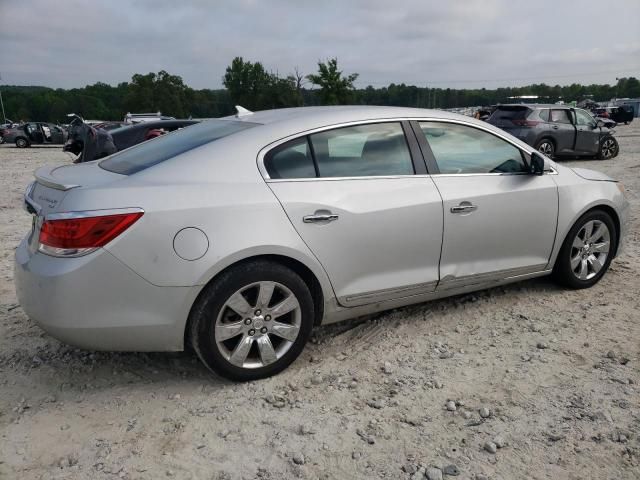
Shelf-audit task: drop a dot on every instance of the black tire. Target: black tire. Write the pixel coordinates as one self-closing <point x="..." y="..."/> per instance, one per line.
<point x="212" y="300"/>
<point x="22" y="142"/>
<point x="609" y="148"/>
<point x="546" y="146"/>
<point x="563" y="272"/>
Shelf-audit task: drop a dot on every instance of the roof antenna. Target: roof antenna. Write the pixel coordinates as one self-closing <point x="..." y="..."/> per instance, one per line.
<point x="242" y="111"/>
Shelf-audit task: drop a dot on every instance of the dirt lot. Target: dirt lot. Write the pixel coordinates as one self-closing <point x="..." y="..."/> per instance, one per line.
<point x="557" y="372"/>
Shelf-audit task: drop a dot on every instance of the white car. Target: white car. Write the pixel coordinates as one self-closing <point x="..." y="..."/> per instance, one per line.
<point x="239" y="235"/>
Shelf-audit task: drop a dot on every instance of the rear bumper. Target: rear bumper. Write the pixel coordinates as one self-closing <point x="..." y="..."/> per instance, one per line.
<point x="96" y="302"/>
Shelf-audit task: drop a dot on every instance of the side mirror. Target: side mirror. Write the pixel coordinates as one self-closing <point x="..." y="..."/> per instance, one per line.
<point x="599" y="123"/>
<point x="537" y="164"/>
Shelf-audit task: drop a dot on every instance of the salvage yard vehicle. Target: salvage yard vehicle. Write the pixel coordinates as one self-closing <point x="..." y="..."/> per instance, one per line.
<point x="557" y="130"/>
<point x="127" y="136"/>
<point x="35" y="133"/>
<point x="621" y="114"/>
<point x="239" y="235"/>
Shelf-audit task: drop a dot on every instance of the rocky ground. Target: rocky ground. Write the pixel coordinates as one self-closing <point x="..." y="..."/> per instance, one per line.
<point x="525" y="381"/>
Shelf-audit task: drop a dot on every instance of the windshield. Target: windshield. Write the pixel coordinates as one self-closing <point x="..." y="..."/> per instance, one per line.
<point x="152" y="152"/>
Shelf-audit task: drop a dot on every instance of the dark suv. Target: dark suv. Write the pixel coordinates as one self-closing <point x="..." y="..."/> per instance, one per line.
<point x="556" y="130"/>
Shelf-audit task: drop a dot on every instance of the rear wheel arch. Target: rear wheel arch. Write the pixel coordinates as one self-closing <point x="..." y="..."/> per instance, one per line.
<point x="296" y="266"/>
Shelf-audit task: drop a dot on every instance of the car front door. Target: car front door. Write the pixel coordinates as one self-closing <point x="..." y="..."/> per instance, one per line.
<point x="354" y="198"/>
<point x="562" y="130"/>
<point x="34" y="133"/>
<point x="587" y="133"/>
<point x="499" y="219"/>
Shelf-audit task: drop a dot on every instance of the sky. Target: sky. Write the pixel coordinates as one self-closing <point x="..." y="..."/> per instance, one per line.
<point x="457" y="44"/>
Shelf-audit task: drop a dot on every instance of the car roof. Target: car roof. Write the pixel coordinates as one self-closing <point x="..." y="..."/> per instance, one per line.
<point x="313" y="117"/>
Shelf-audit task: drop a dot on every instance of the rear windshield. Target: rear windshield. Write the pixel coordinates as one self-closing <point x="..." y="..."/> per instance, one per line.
<point x="152" y="152"/>
<point x="510" y="113"/>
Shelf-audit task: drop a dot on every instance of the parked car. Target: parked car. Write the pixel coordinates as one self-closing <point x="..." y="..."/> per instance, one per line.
<point x="131" y="118"/>
<point x="621" y="114"/>
<point x="35" y="133"/>
<point x="557" y="130"/>
<point x="129" y="135"/>
<point x="239" y="235"/>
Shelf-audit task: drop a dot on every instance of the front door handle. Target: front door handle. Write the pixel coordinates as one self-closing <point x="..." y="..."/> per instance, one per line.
<point x="555" y="127"/>
<point x="464" y="207"/>
<point x="320" y="216"/>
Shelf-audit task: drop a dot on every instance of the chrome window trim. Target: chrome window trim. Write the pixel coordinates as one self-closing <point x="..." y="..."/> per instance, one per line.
<point x="264" y="150"/>
<point x="92" y="213"/>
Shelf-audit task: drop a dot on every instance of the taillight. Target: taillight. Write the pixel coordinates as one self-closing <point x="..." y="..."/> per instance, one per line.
<point x="526" y="123"/>
<point x="75" y="234"/>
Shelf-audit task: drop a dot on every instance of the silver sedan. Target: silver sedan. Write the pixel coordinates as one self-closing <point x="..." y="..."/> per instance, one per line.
<point x="239" y="235"/>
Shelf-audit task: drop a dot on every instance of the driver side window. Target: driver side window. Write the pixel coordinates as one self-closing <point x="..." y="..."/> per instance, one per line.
<point x="463" y="149"/>
<point x="583" y="118"/>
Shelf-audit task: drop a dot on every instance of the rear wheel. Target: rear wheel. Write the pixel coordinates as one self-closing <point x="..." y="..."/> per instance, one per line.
<point x="608" y="148"/>
<point x="587" y="251"/>
<point x="546" y="147"/>
<point x="22" y="142"/>
<point x="253" y="321"/>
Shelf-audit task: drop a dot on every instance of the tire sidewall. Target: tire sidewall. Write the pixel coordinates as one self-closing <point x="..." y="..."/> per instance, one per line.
<point x="21" y="143"/>
<point x="562" y="269"/>
<point x="212" y="300"/>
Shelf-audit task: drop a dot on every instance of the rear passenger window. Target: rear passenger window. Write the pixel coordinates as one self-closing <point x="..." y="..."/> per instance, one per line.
<point x="544" y="114"/>
<point x="290" y="160"/>
<point x="377" y="149"/>
<point x="560" y="116"/>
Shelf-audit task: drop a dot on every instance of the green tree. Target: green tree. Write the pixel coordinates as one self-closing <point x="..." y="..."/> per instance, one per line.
<point x="335" y="89"/>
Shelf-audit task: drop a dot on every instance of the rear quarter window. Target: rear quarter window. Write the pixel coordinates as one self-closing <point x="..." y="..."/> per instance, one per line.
<point x="158" y="150"/>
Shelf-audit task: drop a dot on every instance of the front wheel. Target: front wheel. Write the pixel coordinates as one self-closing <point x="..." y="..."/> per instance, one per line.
<point x="546" y="147"/>
<point x="608" y="148"/>
<point x="587" y="251"/>
<point x="253" y="321"/>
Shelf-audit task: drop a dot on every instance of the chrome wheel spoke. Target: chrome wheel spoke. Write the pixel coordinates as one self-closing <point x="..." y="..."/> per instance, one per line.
<point x="240" y="353"/>
<point x="239" y="304"/>
<point x="584" y="269"/>
<point x="225" y="331"/>
<point x="266" y="292"/>
<point x="285" y="330"/>
<point x="575" y="261"/>
<point x="595" y="263"/>
<point x="578" y="243"/>
<point x="602" y="247"/>
<point x="285" y="306"/>
<point x="588" y="230"/>
<point x="598" y="233"/>
<point x="265" y="347"/>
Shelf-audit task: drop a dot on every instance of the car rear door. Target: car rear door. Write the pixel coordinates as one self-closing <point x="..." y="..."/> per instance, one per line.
<point x="587" y="132"/>
<point x="562" y="130"/>
<point x="353" y="196"/>
<point x="499" y="220"/>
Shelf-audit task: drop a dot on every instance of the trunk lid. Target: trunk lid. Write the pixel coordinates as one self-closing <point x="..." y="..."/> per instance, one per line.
<point x="53" y="182"/>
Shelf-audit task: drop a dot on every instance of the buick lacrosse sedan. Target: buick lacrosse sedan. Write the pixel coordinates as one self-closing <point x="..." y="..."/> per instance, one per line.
<point x="238" y="235"/>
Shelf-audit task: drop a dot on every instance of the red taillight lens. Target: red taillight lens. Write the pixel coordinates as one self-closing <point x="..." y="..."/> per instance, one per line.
<point x="85" y="232"/>
<point x="526" y="123"/>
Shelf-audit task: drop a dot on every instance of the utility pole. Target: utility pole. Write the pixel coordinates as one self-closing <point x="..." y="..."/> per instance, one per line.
<point x="4" y="117"/>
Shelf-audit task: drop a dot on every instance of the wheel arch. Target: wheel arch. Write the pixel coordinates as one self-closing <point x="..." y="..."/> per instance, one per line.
<point x="304" y="271"/>
<point x="605" y="208"/>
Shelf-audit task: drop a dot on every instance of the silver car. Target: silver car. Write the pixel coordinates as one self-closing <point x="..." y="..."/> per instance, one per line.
<point x="239" y="235"/>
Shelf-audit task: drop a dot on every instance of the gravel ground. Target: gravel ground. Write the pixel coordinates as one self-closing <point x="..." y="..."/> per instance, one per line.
<point x="524" y="381"/>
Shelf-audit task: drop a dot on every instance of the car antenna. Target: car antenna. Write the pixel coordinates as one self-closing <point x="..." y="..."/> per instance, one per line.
<point x="242" y="111"/>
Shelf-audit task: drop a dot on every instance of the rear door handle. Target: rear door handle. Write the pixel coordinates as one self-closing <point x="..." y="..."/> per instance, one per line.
<point x="555" y="127"/>
<point x="464" y="207"/>
<point x="320" y="217"/>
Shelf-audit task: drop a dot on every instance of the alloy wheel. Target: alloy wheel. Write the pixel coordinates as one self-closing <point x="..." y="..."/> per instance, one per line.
<point x="590" y="249"/>
<point x="258" y="324"/>
<point x="546" y="148"/>
<point x="608" y="148"/>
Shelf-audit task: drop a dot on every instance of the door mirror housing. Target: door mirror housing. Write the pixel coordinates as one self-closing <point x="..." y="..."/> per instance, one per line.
<point x="538" y="163"/>
<point x="599" y="123"/>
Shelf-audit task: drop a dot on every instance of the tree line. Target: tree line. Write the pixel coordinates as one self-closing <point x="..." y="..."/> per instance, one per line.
<point x="251" y="85"/>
